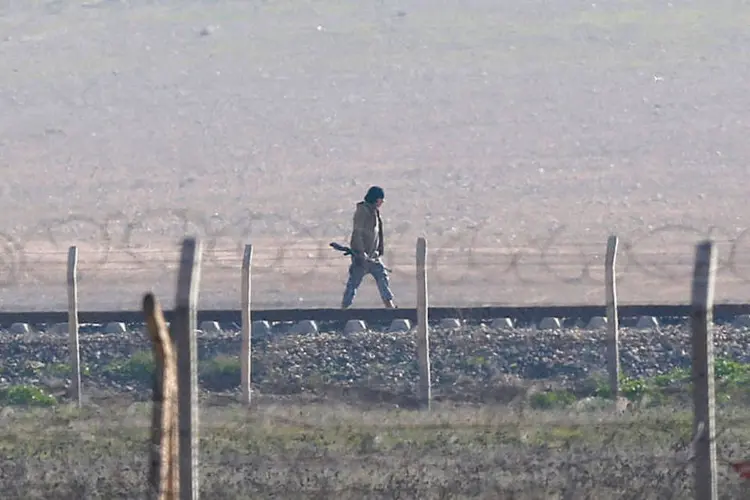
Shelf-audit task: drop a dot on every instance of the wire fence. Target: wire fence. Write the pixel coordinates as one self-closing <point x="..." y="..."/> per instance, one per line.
<point x="313" y="275"/>
<point x="479" y="264"/>
<point x="628" y="460"/>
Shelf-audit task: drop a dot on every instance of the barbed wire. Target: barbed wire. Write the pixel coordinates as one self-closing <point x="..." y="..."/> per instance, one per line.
<point x="118" y="241"/>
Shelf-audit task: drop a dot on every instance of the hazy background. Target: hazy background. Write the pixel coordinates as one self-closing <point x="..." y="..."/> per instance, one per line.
<point x="526" y="130"/>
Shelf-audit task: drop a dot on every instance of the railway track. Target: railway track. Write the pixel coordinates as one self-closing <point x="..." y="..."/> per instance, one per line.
<point x="525" y="315"/>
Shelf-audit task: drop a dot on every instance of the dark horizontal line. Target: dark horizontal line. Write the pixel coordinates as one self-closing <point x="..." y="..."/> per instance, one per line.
<point x="521" y="314"/>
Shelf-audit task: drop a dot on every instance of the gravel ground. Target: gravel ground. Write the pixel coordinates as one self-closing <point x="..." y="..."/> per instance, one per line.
<point x="472" y="364"/>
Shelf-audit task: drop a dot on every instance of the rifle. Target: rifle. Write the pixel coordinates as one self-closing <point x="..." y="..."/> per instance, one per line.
<point x="348" y="251"/>
<point x="342" y="248"/>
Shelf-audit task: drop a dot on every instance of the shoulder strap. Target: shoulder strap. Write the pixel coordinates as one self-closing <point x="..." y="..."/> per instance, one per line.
<point x="381" y="243"/>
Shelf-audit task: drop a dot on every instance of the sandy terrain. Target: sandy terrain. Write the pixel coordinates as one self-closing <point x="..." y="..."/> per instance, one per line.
<point x="527" y="131"/>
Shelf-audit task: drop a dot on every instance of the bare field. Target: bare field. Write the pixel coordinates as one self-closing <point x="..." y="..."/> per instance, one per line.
<point x="500" y="119"/>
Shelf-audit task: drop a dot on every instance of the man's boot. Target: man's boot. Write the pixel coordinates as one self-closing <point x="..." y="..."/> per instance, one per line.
<point x="389" y="304"/>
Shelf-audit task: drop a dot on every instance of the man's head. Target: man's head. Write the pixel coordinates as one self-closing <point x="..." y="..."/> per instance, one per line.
<point x="375" y="195"/>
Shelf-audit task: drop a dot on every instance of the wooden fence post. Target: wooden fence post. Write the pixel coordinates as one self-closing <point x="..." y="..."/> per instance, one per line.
<point x="165" y="454"/>
<point x="701" y="319"/>
<point x="246" y="351"/>
<point x="183" y="332"/>
<point x="613" y="340"/>
<point x="423" y="335"/>
<point x="73" y="340"/>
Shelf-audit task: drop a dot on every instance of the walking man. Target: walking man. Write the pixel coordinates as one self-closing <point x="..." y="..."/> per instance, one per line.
<point x="367" y="246"/>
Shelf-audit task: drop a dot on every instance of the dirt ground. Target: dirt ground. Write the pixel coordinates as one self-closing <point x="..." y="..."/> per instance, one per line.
<point x="526" y="131"/>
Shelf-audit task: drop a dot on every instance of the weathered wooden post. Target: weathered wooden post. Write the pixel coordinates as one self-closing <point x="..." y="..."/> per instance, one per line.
<point x="246" y="354"/>
<point x="423" y="329"/>
<point x="701" y="319"/>
<point x="73" y="340"/>
<point x="165" y="454"/>
<point x="183" y="332"/>
<point x="613" y="335"/>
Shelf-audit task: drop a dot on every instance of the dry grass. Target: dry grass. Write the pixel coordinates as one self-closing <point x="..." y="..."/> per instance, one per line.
<point x="294" y="448"/>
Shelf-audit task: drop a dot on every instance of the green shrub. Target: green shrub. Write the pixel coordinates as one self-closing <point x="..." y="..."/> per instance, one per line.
<point x="59" y="369"/>
<point x="634" y="388"/>
<point x="64" y="370"/>
<point x="551" y="400"/>
<point x="673" y="377"/>
<point x="732" y="380"/>
<point x="139" y="367"/>
<point x="731" y="373"/>
<point x="26" y="395"/>
<point x="221" y="372"/>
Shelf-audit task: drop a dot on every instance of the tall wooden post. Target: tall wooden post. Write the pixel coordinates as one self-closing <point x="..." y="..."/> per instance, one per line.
<point x="701" y="319"/>
<point x="164" y="468"/>
<point x="73" y="340"/>
<point x="183" y="331"/>
<point x="246" y="351"/>
<point x="423" y="329"/>
<point x="613" y="340"/>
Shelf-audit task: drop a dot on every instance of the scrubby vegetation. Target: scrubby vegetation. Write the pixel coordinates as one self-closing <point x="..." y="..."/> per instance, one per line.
<point x="303" y="448"/>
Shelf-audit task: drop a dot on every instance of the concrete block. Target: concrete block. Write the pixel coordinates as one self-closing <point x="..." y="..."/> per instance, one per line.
<point x="450" y="323"/>
<point x="501" y="323"/>
<point x="355" y="326"/>
<point x="260" y="328"/>
<point x="20" y="328"/>
<point x="115" y="327"/>
<point x="283" y="327"/>
<point x="305" y="327"/>
<point x="647" y="323"/>
<point x="597" y="323"/>
<point x="210" y="327"/>
<point x="742" y="321"/>
<point x="549" y="323"/>
<point x="400" y="325"/>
